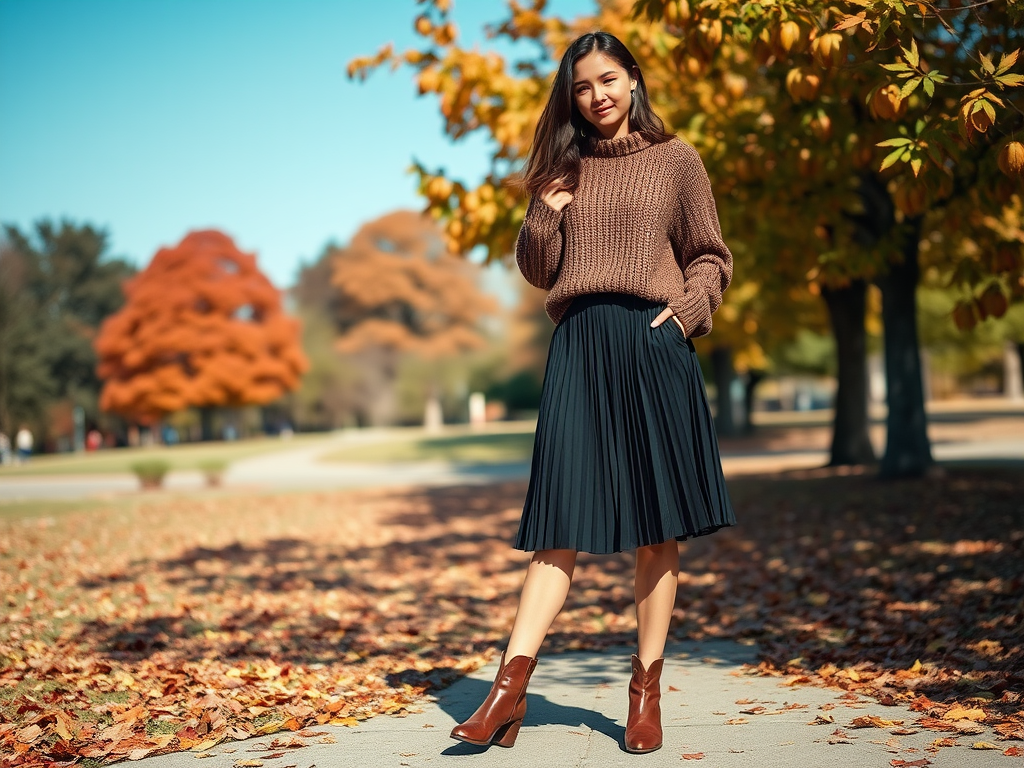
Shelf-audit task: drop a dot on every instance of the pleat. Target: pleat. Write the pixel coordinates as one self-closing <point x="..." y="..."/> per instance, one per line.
<point x="625" y="453"/>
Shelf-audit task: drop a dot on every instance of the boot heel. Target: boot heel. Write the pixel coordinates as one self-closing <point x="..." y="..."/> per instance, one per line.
<point x="506" y="735"/>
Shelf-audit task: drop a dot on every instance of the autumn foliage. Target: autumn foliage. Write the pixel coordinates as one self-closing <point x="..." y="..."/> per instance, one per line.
<point x="402" y="291"/>
<point x="202" y="327"/>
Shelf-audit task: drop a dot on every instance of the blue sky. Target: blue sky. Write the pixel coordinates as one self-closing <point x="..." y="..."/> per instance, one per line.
<point x="153" y="118"/>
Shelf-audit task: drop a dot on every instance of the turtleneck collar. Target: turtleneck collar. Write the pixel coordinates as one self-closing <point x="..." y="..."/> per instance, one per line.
<point x="623" y="145"/>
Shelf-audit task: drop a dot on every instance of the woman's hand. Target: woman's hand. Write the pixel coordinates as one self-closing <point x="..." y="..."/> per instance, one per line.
<point x="556" y="195"/>
<point x="665" y="315"/>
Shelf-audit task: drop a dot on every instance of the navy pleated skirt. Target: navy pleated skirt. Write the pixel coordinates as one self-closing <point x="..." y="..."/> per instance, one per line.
<point x="625" y="453"/>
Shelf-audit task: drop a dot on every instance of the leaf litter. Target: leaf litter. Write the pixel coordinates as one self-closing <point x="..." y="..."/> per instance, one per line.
<point x="174" y="623"/>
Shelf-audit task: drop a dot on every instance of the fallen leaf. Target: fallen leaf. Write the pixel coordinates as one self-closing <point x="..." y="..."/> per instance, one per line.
<point x="910" y="763"/>
<point x="736" y="721"/>
<point x="873" y="721"/>
<point x="838" y="736"/>
<point x="960" y="713"/>
<point x="802" y="680"/>
<point x="983" y="745"/>
<point x="29" y="733"/>
<point x="822" y="720"/>
<point x="693" y="756"/>
<point x="1013" y="752"/>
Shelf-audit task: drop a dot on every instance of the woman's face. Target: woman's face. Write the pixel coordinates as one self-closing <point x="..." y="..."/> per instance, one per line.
<point x="602" y="90"/>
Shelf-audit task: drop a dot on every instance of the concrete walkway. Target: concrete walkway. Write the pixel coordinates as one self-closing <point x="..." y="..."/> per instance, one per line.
<point x="577" y="712"/>
<point x="302" y="469"/>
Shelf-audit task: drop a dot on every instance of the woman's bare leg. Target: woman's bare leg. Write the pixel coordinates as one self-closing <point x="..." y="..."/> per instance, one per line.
<point x="544" y="591"/>
<point x="657" y="574"/>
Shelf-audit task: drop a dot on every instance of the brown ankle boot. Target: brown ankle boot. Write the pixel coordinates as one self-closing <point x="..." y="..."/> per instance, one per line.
<point x="497" y="720"/>
<point x="643" y="724"/>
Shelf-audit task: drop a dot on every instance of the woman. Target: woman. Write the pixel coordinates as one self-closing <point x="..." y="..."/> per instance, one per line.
<point x="623" y="230"/>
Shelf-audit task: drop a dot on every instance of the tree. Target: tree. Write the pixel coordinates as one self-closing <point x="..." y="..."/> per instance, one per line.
<point x="844" y="127"/>
<point x="401" y="292"/>
<point x="330" y="394"/>
<point x="888" y="114"/>
<point x="56" y="287"/>
<point x="202" y="327"/>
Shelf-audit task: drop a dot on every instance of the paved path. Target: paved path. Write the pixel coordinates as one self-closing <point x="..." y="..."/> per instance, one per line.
<point x="301" y="469"/>
<point x="576" y="716"/>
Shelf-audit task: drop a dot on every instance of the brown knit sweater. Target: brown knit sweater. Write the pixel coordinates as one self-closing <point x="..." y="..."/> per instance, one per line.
<point x="642" y="221"/>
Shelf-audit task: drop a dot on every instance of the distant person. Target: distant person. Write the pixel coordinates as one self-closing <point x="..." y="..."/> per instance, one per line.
<point x="23" y="442"/>
<point x="5" y="449"/>
<point x="622" y="229"/>
<point x="93" y="440"/>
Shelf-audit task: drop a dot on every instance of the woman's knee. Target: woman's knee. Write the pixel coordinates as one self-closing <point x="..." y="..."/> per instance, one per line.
<point x="654" y="551"/>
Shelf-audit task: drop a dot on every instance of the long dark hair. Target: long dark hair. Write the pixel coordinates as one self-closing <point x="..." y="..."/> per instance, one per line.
<point x="563" y="135"/>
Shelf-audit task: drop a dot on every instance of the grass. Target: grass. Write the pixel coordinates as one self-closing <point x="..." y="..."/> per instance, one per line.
<point x="184" y="456"/>
<point x="42" y="508"/>
<point x="492" y="448"/>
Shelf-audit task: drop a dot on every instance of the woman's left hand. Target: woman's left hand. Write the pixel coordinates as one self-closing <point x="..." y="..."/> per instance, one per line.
<point x="665" y="315"/>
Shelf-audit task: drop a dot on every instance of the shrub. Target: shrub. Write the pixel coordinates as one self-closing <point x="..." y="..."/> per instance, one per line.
<point x="151" y="472"/>
<point x="213" y="470"/>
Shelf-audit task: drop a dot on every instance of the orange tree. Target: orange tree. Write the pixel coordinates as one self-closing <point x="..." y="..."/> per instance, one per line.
<point x="400" y="292"/>
<point x="851" y="130"/>
<point x="202" y="327"/>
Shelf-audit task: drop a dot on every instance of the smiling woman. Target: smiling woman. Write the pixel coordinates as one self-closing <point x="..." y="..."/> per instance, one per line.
<point x="622" y="229"/>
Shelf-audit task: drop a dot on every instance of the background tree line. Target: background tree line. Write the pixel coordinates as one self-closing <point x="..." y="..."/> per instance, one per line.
<point x="840" y="137"/>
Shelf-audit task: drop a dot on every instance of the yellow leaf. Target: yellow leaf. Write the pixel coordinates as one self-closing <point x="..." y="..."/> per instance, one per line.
<point x="208" y="744"/>
<point x="959" y="713"/>
<point x="983" y="745"/>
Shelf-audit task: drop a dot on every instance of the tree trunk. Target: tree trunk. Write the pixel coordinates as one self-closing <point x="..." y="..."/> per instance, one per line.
<point x="1020" y="354"/>
<point x="721" y="364"/>
<point x="851" y="443"/>
<point x="206" y="423"/>
<point x="907" y="448"/>
<point x="749" y="387"/>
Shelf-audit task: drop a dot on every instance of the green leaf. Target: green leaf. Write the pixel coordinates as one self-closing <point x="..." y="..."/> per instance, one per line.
<point x="1010" y="80"/>
<point x="891" y="159"/>
<point x="934" y="154"/>
<point x="909" y="87"/>
<point x="929" y="87"/>
<point x="989" y="110"/>
<point x="883" y="27"/>
<point x="899" y="66"/>
<point x="915" y="165"/>
<point x="912" y="56"/>
<point x="894" y="143"/>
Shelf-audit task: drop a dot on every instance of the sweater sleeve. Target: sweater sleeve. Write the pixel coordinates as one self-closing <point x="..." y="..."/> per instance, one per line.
<point x="703" y="256"/>
<point x="539" y="245"/>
